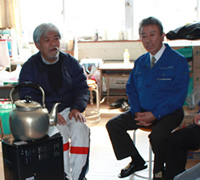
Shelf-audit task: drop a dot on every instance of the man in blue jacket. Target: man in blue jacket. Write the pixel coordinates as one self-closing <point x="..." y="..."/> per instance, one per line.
<point x="63" y="80"/>
<point x="156" y="88"/>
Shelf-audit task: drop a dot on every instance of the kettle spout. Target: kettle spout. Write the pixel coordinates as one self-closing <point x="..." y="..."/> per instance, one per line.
<point x="53" y="115"/>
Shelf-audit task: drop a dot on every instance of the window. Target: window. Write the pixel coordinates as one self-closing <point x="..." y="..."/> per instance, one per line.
<point x="85" y="18"/>
<point x="35" y="12"/>
<point x="112" y="19"/>
<point x="172" y="13"/>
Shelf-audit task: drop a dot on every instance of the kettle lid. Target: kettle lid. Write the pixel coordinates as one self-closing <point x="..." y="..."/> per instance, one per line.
<point x="27" y="106"/>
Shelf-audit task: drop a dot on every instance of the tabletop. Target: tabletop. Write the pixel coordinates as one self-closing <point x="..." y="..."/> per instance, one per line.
<point x="116" y="66"/>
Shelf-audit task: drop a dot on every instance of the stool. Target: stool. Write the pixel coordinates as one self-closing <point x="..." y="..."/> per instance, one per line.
<point x="93" y="114"/>
<point x="150" y="161"/>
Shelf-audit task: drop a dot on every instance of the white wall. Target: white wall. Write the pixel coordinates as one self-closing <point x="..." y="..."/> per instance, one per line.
<point x="109" y="50"/>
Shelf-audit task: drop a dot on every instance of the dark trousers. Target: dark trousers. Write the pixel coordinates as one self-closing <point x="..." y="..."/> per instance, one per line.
<point x="123" y="144"/>
<point x="180" y="142"/>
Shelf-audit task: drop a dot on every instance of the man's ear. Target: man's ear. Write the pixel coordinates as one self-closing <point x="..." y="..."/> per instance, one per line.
<point x="163" y="36"/>
<point x="37" y="46"/>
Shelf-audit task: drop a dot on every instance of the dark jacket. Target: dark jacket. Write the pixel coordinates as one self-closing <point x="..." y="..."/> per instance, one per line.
<point x="73" y="91"/>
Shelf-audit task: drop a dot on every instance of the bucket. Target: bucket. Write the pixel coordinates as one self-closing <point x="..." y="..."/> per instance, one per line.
<point x="5" y="109"/>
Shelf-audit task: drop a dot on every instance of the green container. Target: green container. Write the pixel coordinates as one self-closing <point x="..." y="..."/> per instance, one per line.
<point x="187" y="52"/>
<point x="5" y="109"/>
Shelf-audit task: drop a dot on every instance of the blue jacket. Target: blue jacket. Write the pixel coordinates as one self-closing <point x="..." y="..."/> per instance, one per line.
<point x="73" y="92"/>
<point x="162" y="89"/>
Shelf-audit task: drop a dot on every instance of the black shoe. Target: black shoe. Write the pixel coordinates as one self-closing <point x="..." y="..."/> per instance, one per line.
<point x="130" y="169"/>
<point x="117" y="104"/>
<point x="125" y="106"/>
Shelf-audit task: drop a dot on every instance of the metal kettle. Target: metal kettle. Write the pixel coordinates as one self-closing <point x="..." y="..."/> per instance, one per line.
<point x="29" y="120"/>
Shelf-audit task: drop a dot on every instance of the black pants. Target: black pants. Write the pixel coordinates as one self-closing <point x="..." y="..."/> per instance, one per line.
<point x="180" y="142"/>
<point x="123" y="145"/>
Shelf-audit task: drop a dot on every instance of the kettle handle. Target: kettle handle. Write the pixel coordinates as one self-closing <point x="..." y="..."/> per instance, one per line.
<point x="25" y="84"/>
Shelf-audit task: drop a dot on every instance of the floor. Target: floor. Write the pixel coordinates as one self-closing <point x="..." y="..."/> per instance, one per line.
<point x="103" y="164"/>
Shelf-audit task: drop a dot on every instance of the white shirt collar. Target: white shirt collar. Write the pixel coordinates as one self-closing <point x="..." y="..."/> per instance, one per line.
<point x="159" y="53"/>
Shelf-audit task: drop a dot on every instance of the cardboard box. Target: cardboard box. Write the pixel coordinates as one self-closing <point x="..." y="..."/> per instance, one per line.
<point x="196" y="63"/>
<point x="193" y="158"/>
<point x="191" y="162"/>
<point x="196" y="51"/>
<point x="118" y="82"/>
<point x="195" y="155"/>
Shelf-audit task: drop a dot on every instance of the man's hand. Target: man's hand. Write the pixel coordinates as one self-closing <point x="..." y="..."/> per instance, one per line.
<point x="77" y="115"/>
<point x="197" y="119"/>
<point x="61" y="120"/>
<point x="144" y="118"/>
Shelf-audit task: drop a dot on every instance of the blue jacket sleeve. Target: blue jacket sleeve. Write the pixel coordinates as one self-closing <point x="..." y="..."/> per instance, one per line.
<point x="132" y="93"/>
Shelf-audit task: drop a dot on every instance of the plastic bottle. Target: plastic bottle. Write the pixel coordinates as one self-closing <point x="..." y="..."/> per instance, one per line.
<point x="126" y="56"/>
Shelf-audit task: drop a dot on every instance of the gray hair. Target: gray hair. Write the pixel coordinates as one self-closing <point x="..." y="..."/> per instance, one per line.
<point x="42" y="29"/>
<point x="151" y="21"/>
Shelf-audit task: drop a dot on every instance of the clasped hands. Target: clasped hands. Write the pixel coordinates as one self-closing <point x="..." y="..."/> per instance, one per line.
<point x="74" y="113"/>
<point x="144" y="118"/>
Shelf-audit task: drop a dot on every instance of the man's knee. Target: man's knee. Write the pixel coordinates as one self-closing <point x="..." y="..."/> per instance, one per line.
<point x="84" y="127"/>
<point x="158" y="139"/>
<point x="108" y="125"/>
<point x="111" y="125"/>
<point x="172" y="138"/>
<point x="79" y="127"/>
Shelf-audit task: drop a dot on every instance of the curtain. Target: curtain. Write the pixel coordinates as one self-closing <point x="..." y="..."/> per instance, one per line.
<point x="10" y="15"/>
<point x="10" y="18"/>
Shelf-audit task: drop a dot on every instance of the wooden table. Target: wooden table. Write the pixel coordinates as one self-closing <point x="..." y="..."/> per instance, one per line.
<point x="108" y="70"/>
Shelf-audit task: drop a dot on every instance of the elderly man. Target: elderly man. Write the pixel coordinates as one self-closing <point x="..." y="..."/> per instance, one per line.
<point x="63" y="80"/>
<point x="156" y="88"/>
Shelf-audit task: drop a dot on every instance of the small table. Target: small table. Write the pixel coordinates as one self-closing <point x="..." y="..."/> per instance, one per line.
<point x="108" y="70"/>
